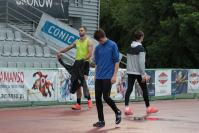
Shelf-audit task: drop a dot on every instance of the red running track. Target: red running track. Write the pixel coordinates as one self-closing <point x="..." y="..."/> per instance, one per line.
<point x="175" y="116"/>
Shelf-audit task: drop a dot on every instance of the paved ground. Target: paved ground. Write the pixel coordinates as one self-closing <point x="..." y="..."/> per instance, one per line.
<point x="175" y="116"/>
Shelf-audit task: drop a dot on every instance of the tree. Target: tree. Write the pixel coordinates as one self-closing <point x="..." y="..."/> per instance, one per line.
<point x="171" y="29"/>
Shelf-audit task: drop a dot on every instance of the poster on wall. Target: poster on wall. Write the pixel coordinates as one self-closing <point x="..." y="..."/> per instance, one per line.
<point x="91" y="83"/>
<point x="64" y="83"/>
<point x="118" y="89"/>
<point x="52" y="85"/>
<point x="63" y="86"/>
<point x="193" y="81"/>
<point x="27" y="85"/>
<point x="179" y="81"/>
<point x="120" y="85"/>
<point x="162" y="82"/>
<point x="12" y="85"/>
<point x="32" y="9"/>
<point x="151" y="82"/>
<point x="41" y="85"/>
<point x="150" y="85"/>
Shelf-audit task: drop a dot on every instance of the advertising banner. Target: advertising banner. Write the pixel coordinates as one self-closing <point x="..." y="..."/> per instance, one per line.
<point x="63" y="86"/>
<point x="162" y="82"/>
<point x="27" y="85"/>
<point x="32" y="9"/>
<point x="41" y="85"/>
<point x="121" y="85"/>
<point x="179" y="81"/>
<point x="193" y="81"/>
<point x="12" y="85"/>
<point x="56" y="32"/>
<point x="118" y="89"/>
<point x="151" y="82"/>
<point x="52" y="85"/>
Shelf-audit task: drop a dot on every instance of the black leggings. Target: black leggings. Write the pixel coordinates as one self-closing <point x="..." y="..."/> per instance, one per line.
<point x="131" y="81"/>
<point x="103" y="86"/>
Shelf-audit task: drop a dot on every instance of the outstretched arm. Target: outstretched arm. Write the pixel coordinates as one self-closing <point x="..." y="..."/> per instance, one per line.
<point x="64" y="50"/>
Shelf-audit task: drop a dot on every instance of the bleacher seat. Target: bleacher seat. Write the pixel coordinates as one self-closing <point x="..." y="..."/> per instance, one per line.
<point x="59" y="65"/>
<point x="29" y="64"/>
<point x="23" y="50"/>
<point x="37" y="65"/>
<point x="10" y="35"/>
<point x="2" y="42"/>
<point x="38" y="51"/>
<point x="15" y="50"/>
<point x="18" y="50"/>
<point x="1" y="49"/>
<point x="20" y="64"/>
<point x="18" y="36"/>
<point x="17" y="43"/>
<point x="12" y="64"/>
<point x="6" y="50"/>
<point x="8" y="43"/>
<point x="45" y="65"/>
<point x="47" y="52"/>
<point x="31" y="51"/>
<point x="3" y="64"/>
<point x="53" y="65"/>
<point x="2" y="35"/>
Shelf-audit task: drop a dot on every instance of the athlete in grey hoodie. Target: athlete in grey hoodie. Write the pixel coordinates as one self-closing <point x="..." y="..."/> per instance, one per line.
<point x="136" y="71"/>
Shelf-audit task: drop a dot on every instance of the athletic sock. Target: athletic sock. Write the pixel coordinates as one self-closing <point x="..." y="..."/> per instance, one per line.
<point x="89" y="97"/>
<point x="79" y="101"/>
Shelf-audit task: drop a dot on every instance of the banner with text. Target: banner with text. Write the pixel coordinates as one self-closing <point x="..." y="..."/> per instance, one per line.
<point x="52" y="85"/>
<point x="58" y="33"/>
<point x="12" y="85"/>
<point x="31" y="10"/>
<point x="27" y="85"/>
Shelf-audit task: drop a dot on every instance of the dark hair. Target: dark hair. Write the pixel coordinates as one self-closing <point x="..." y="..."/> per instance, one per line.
<point x="99" y="34"/>
<point x="84" y="27"/>
<point x="138" y="35"/>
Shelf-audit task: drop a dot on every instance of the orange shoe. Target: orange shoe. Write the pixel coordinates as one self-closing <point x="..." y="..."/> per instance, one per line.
<point x="151" y="110"/>
<point x="128" y="111"/>
<point x="76" y="107"/>
<point x="90" y="103"/>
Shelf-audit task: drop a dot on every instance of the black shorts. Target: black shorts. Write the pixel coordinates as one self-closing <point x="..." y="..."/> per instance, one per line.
<point x="86" y="68"/>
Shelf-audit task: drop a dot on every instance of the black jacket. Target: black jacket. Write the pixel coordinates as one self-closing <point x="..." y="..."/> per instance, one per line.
<point x="77" y="73"/>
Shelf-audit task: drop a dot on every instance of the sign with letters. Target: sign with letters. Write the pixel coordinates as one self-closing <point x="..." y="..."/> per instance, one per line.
<point x="31" y="10"/>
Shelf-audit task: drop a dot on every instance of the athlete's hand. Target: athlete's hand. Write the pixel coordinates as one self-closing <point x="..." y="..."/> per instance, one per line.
<point x="92" y="64"/>
<point x="58" y="55"/>
<point x="113" y="79"/>
<point x="85" y="77"/>
<point x="145" y="78"/>
<point x="82" y="59"/>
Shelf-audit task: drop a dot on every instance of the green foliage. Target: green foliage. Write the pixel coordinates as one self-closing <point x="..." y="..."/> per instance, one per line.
<point x="171" y="29"/>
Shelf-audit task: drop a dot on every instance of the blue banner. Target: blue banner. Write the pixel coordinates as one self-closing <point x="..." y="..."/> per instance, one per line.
<point x="150" y="85"/>
<point x="59" y="33"/>
<point x="179" y="81"/>
<point x="151" y="82"/>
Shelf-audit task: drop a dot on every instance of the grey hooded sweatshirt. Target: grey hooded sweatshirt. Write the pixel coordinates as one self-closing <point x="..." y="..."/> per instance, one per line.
<point x="136" y="59"/>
